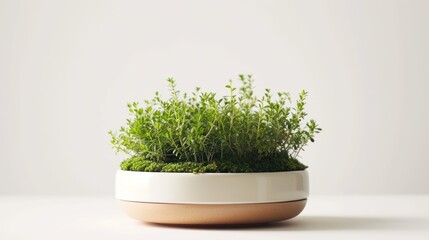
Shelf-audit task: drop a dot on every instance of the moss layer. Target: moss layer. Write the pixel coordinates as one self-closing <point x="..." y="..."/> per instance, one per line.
<point x="280" y="165"/>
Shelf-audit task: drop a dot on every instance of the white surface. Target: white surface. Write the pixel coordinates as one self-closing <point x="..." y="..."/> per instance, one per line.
<point x="211" y="188"/>
<point x="68" y="68"/>
<point x="335" y="217"/>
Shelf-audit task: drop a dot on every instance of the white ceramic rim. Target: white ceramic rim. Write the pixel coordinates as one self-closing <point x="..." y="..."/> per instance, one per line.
<point x="211" y="188"/>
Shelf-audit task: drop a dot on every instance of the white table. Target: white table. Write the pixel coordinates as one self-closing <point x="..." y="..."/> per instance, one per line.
<point x="325" y="217"/>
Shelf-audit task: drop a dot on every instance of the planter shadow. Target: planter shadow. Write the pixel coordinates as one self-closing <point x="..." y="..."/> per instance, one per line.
<point x="319" y="223"/>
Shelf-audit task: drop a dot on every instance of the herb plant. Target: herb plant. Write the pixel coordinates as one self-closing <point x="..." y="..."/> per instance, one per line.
<point x="202" y="133"/>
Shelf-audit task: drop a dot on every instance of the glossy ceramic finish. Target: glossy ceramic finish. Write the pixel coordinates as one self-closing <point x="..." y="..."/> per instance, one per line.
<point x="211" y="188"/>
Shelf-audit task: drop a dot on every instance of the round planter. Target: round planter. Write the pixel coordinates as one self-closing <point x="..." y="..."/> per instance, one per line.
<point x="212" y="198"/>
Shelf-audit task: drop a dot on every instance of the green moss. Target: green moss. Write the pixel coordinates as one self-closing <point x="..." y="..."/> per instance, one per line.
<point x="284" y="164"/>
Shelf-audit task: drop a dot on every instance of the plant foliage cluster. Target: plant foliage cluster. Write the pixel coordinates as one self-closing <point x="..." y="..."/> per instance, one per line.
<point x="199" y="132"/>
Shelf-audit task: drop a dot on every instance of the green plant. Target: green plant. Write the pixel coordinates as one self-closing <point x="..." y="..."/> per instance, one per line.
<point x="201" y="133"/>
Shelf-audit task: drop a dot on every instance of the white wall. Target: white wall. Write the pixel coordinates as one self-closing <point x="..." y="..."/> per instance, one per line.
<point x="68" y="68"/>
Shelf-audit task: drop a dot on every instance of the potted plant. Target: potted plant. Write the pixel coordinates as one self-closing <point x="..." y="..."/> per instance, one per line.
<point x="202" y="159"/>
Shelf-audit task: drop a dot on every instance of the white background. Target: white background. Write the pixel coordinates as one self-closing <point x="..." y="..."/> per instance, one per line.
<point x="68" y="68"/>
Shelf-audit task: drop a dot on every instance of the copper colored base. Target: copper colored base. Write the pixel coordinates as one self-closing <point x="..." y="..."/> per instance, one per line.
<point x="212" y="214"/>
